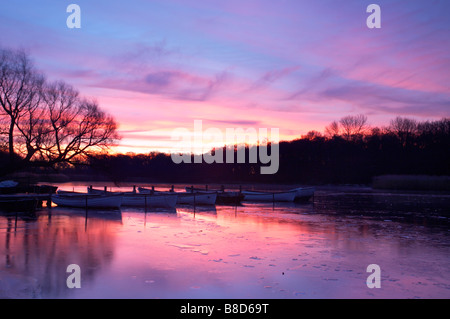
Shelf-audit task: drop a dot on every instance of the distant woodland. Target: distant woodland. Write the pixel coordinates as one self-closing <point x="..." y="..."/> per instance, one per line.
<point x="345" y="153"/>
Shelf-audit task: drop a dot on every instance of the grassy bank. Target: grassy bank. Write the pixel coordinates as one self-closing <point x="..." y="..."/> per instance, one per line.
<point x="412" y="182"/>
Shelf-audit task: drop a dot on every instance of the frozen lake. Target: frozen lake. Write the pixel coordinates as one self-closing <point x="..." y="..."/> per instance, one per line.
<point x="319" y="249"/>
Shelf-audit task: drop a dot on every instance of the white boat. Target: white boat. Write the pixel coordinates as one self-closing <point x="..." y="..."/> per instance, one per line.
<point x="259" y="196"/>
<point x="82" y="200"/>
<point x="63" y="192"/>
<point x="223" y="197"/>
<point x="143" y="190"/>
<point x="155" y="200"/>
<point x="146" y="199"/>
<point x="204" y="198"/>
<point x="304" y="193"/>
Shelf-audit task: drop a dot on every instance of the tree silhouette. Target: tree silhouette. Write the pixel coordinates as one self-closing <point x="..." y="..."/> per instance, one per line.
<point x="353" y="125"/>
<point x="404" y="129"/>
<point x="19" y="90"/>
<point x="47" y="123"/>
<point x="332" y="130"/>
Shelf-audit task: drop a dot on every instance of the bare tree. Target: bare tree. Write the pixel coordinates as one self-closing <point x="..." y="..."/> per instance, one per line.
<point x="48" y="123"/>
<point x="353" y="125"/>
<point x="332" y="129"/>
<point x="19" y="88"/>
<point x="66" y="128"/>
<point x="403" y="128"/>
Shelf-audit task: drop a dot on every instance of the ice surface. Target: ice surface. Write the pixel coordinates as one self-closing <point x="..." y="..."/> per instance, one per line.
<point x="318" y="250"/>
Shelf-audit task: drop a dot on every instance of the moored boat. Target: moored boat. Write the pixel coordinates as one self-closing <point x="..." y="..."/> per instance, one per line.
<point x="261" y="196"/>
<point x="160" y="200"/>
<point x="204" y="198"/>
<point x="81" y="200"/>
<point x="147" y="200"/>
<point x="143" y="190"/>
<point x="223" y="197"/>
<point x="18" y="204"/>
<point x="304" y="193"/>
<point x="13" y="187"/>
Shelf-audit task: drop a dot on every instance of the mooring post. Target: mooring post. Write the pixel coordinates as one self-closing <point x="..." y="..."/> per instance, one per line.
<point x="195" y="202"/>
<point x="49" y="200"/>
<point x="145" y="203"/>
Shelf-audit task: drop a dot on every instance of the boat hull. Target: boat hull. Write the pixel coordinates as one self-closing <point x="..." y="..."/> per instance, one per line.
<point x="18" y="205"/>
<point x="223" y="197"/>
<point x="269" y="197"/>
<point x="144" y="200"/>
<point x="304" y="193"/>
<point x="197" y="198"/>
<point x="229" y="198"/>
<point x="88" y="201"/>
<point x="205" y="198"/>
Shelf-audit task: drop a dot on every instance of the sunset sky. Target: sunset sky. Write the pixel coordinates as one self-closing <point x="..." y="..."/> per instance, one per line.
<point x="294" y="65"/>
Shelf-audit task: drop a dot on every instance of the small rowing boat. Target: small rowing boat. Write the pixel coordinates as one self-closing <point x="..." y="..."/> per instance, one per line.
<point x="223" y="197"/>
<point x="260" y="196"/>
<point x="204" y="198"/>
<point x="304" y="193"/>
<point x="82" y="200"/>
<point x="160" y="200"/>
<point x="17" y="203"/>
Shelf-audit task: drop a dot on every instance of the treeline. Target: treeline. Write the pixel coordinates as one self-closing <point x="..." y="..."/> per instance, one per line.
<point x="343" y="155"/>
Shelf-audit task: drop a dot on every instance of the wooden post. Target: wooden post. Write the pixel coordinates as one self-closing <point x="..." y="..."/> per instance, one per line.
<point x="194" y="202"/>
<point x="134" y="189"/>
<point x="206" y="187"/>
<point x="49" y="200"/>
<point x="86" y="216"/>
<point x="145" y="203"/>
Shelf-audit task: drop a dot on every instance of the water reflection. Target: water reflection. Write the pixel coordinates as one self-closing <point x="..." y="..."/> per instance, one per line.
<point x="287" y="250"/>
<point x="37" y="249"/>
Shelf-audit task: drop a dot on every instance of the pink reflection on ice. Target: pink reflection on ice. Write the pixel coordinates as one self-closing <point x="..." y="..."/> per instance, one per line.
<point x="250" y="251"/>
